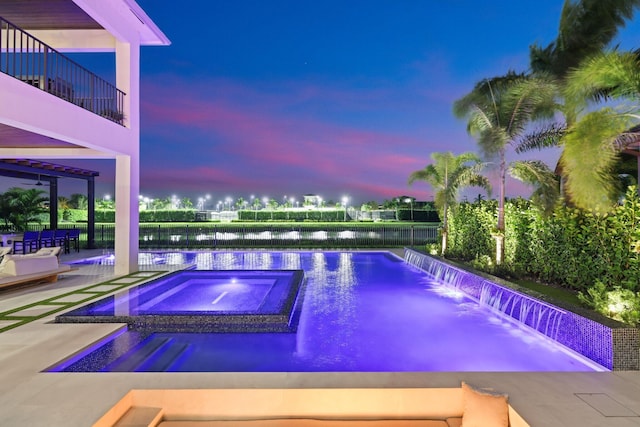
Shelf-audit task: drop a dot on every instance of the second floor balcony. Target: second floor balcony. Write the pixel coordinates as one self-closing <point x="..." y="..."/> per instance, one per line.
<point x="32" y="61"/>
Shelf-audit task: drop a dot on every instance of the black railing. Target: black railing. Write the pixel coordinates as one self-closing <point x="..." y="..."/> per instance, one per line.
<point x="215" y="236"/>
<point x="212" y="236"/>
<point x="28" y="59"/>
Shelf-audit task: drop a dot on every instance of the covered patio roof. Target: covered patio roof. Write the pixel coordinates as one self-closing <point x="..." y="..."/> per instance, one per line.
<point x="37" y="170"/>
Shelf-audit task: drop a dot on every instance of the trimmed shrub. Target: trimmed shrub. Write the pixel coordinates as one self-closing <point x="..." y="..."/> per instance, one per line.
<point x="470" y="228"/>
<point x="572" y="248"/>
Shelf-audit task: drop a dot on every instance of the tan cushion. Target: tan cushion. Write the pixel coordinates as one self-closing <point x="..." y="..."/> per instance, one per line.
<point x="305" y="422"/>
<point x="484" y="409"/>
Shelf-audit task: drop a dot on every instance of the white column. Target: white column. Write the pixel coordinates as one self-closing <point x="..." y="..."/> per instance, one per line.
<point x="128" y="165"/>
<point x="127" y="189"/>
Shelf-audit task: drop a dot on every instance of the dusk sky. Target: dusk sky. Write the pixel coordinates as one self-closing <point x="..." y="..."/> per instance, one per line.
<point x="331" y="97"/>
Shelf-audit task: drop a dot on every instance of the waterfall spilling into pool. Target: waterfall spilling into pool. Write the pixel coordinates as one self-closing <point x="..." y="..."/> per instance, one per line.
<point x="536" y="314"/>
<point x="607" y="344"/>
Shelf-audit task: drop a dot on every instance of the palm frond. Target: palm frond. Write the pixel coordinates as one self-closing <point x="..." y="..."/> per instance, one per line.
<point x="538" y="175"/>
<point x="547" y="137"/>
<point x="586" y="27"/>
<point x="492" y="142"/>
<point x="628" y="138"/>
<point x="428" y="174"/>
<point x="589" y="156"/>
<point x="609" y="74"/>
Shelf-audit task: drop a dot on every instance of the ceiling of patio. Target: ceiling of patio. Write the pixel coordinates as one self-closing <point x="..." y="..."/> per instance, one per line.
<point x="11" y="137"/>
<point x="46" y="15"/>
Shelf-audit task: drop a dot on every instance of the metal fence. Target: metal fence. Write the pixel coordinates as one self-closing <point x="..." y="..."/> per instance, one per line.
<point x="34" y="62"/>
<point x="217" y="236"/>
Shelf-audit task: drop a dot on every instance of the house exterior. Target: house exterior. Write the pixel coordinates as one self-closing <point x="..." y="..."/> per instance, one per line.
<point x="52" y="108"/>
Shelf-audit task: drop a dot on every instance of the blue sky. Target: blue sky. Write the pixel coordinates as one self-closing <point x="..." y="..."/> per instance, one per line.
<point x="285" y="97"/>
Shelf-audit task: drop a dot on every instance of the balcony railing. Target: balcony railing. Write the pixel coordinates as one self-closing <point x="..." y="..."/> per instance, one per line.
<point x="28" y="59"/>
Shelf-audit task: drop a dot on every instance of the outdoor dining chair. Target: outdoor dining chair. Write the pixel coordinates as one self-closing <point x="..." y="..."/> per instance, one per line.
<point x="73" y="238"/>
<point x="30" y="239"/>
<point x="61" y="239"/>
<point x="46" y="238"/>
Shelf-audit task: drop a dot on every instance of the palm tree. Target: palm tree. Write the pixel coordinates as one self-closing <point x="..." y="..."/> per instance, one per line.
<point x="595" y="140"/>
<point x="79" y="201"/>
<point x="24" y="206"/>
<point x="586" y="28"/>
<point x="64" y="203"/>
<point x="499" y="111"/>
<point x="447" y="175"/>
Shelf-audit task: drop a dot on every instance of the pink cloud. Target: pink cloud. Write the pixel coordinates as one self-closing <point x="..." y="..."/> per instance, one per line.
<point x="282" y="140"/>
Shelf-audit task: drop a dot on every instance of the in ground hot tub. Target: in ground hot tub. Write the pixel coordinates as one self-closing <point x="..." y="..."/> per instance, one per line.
<point x="203" y="301"/>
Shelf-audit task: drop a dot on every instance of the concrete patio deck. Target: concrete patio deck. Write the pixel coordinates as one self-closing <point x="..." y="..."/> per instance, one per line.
<point x="29" y="397"/>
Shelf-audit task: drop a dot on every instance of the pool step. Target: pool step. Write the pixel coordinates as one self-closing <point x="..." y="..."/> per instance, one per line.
<point x="164" y="358"/>
<point x="137" y="356"/>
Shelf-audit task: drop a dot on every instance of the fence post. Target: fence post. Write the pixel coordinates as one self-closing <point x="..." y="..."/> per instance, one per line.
<point x="412" y="236"/>
<point x="187" y="236"/>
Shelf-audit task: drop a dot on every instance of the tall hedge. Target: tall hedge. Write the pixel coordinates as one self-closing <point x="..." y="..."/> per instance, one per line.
<point x="573" y="248"/>
<point x="470" y="227"/>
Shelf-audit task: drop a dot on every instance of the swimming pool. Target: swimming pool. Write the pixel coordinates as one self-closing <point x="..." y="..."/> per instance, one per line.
<point x="362" y="311"/>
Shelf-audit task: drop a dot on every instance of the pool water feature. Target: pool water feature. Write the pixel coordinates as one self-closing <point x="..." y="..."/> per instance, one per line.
<point x="203" y="301"/>
<point x="362" y="311"/>
<point x="607" y="342"/>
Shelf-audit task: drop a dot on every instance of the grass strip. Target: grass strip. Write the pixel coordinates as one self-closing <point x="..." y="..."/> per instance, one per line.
<point x="21" y="320"/>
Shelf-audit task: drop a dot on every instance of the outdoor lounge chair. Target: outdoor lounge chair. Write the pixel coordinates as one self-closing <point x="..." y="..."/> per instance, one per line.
<point x="19" y="269"/>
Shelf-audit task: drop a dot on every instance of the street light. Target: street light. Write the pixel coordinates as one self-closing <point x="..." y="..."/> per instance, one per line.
<point x="345" y="201"/>
<point x="410" y="200"/>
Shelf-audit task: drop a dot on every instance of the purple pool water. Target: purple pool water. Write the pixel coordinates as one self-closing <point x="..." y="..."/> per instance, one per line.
<point x="362" y="311"/>
<point x="203" y="301"/>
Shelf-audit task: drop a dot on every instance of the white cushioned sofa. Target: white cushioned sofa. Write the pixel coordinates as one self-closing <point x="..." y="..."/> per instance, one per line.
<point x="40" y="266"/>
